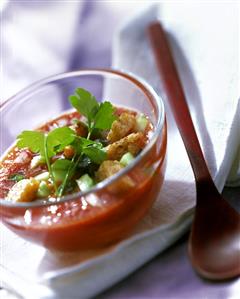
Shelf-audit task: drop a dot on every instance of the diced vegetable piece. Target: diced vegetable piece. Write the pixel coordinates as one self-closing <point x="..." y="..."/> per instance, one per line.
<point x="141" y="123"/>
<point x="17" y="177"/>
<point x="68" y="151"/>
<point x="44" y="176"/>
<point x="80" y="128"/>
<point x="43" y="190"/>
<point x="85" y="182"/>
<point x="23" y="191"/>
<point x="23" y="157"/>
<point x="126" y="159"/>
<point x="37" y="160"/>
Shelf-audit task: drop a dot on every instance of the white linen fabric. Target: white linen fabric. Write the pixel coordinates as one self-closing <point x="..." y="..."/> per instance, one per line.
<point x="206" y="54"/>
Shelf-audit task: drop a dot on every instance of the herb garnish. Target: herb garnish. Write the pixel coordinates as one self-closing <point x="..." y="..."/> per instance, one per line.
<point x="47" y="144"/>
<point x="16" y="177"/>
<point x="99" y="116"/>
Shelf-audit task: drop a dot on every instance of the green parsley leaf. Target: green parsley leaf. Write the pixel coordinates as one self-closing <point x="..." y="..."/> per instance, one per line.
<point x="105" y="116"/>
<point x="61" y="165"/>
<point x="16" y="177"/>
<point x="60" y="168"/>
<point x="47" y="144"/>
<point x="84" y="142"/>
<point x="92" y="149"/>
<point x="58" y="139"/>
<point x="83" y="146"/>
<point x="33" y="140"/>
<point x="95" y="154"/>
<point x="98" y="116"/>
<point x="81" y="142"/>
<point x="62" y="171"/>
<point x="85" y="103"/>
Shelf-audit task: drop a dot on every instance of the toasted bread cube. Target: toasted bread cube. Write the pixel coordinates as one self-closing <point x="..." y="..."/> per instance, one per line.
<point x="23" y="191"/>
<point x="108" y="169"/>
<point x="133" y="143"/>
<point x="122" y="127"/>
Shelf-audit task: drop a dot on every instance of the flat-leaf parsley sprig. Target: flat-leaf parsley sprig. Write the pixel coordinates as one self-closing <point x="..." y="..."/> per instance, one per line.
<point x="49" y="144"/>
<point x="99" y="116"/>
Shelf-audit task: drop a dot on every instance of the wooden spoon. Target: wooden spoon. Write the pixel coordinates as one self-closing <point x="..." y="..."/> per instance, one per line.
<point x="214" y="244"/>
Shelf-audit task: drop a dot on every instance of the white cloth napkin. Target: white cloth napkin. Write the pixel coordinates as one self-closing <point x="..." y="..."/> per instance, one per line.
<point x="206" y="53"/>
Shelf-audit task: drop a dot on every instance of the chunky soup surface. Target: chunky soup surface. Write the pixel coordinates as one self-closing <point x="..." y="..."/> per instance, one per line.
<point x="73" y="153"/>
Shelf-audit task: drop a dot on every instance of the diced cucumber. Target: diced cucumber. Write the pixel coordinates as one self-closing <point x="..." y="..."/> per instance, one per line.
<point x="37" y="160"/>
<point x="43" y="190"/>
<point x="126" y="159"/>
<point x="16" y="177"/>
<point x="141" y="122"/>
<point x="105" y="148"/>
<point x="44" y="176"/>
<point x="85" y="182"/>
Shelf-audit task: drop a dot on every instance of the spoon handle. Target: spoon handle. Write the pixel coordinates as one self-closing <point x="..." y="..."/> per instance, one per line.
<point x="176" y="98"/>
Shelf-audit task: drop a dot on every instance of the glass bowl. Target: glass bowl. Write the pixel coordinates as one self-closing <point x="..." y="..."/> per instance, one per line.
<point x="108" y="212"/>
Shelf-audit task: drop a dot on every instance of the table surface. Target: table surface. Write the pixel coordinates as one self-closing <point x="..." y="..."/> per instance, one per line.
<point x="170" y="274"/>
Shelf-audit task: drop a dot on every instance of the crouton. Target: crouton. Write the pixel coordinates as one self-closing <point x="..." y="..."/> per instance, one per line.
<point x="108" y="169"/>
<point x="125" y="125"/>
<point x="132" y="143"/>
<point x="23" y="191"/>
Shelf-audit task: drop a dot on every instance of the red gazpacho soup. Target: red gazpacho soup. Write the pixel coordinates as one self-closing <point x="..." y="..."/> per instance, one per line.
<point x="71" y="157"/>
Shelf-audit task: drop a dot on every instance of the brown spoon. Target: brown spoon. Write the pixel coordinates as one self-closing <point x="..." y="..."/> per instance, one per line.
<point x="214" y="244"/>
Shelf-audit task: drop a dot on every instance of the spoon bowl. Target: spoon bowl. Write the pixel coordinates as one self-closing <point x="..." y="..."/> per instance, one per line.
<point x="214" y="244"/>
<point x="215" y="236"/>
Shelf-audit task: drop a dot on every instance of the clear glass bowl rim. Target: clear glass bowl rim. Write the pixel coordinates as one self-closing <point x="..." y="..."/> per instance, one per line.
<point x="140" y="83"/>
